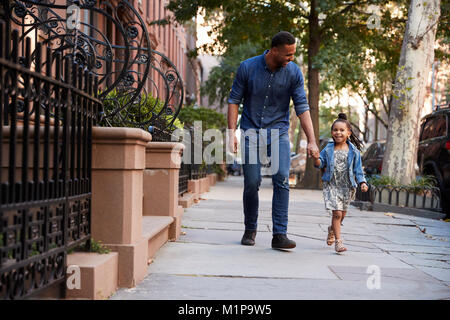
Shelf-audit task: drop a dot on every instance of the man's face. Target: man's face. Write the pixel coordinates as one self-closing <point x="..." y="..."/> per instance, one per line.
<point x="283" y="54"/>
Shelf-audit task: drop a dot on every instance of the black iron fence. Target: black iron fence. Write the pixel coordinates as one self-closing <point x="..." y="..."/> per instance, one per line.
<point x="402" y="196"/>
<point x="52" y="91"/>
<point x="48" y="107"/>
<point x="190" y="168"/>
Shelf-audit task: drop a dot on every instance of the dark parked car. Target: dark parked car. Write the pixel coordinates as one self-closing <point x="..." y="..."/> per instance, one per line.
<point x="372" y="160"/>
<point x="434" y="151"/>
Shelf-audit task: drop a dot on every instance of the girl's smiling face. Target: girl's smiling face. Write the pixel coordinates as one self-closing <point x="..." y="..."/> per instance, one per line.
<point x="340" y="132"/>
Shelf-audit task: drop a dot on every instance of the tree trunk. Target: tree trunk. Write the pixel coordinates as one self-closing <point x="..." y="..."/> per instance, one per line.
<point x="416" y="57"/>
<point x="311" y="179"/>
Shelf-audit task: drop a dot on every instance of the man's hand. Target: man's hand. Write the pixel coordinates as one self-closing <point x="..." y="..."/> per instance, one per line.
<point x="364" y="187"/>
<point x="313" y="150"/>
<point x="232" y="141"/>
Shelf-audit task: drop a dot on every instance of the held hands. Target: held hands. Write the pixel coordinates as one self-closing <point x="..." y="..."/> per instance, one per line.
<point x="313" y="150"/>
<point x="364" y="187"/>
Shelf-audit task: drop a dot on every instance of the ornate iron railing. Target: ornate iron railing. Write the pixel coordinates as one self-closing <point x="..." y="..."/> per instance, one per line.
<point x="139" y="87"/>
<point x="183" y="178"/>
<point x="402" y="196"/>
<point x="48" y="107"/>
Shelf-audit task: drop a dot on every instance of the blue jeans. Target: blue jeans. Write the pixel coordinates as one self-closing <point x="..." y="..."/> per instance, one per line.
<point x="278" y="149"/>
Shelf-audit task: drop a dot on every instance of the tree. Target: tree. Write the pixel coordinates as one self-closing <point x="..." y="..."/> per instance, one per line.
<point x="335" y="39"/>
<point x="416" y="57"/>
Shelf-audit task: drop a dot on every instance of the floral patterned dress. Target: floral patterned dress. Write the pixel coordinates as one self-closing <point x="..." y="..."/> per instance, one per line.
<point x="338" y="192"/>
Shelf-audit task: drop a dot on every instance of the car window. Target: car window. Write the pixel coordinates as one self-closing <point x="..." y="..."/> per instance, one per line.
<point x="441" y="126"/>
<point x="434" y="127"/>
<point x="428" y="129"/>
<point x="379" y="150"/>
<point x="370" y="152"/>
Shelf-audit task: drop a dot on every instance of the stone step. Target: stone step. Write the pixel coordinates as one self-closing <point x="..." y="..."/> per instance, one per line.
<point x="92" y="275"/>
<point x="156" y="230"/>
<point x="187" y="200"/>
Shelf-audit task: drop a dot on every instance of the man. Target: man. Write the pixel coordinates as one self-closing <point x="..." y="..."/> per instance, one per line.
<point x="266" y="83"/>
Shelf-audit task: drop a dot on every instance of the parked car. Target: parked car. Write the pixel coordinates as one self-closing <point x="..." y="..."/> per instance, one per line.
<point x="372" y="159"/>
<point x="433" y="156"/>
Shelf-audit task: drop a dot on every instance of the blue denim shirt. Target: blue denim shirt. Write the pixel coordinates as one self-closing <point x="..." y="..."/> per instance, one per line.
<point x="267" y="94"/>
<point x="353" y="163"/>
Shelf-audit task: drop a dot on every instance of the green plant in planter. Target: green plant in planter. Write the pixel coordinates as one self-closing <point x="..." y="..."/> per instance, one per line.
<point x="97" y="246"/>
<point x="418" y="186"/>
<point x="422" y="184"/>
<point x="376" y="180"/>
<point x="141" y="112"/>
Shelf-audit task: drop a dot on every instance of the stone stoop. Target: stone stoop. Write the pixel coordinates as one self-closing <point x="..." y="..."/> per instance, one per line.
<point x="187" y="199"/>
<point x="156" y="230"/>
<point x="175" y="227"/>
<point x="99" y="275"/>
<point x="194" y="189"/>
<point x="204" y="185"/>
<point x="132" y="262"/>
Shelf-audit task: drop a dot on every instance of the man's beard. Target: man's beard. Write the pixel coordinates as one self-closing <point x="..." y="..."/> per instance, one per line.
<point x="280" y="64"/>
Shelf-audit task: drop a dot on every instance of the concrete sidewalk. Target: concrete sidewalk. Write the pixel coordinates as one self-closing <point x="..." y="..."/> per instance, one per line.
<point x="412" y="254"/>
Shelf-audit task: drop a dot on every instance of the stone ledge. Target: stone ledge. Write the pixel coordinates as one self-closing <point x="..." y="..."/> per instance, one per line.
<point x="152" y="225"/>
<point x="156" y="230"/>
<point x="175" y="227"/>
<point x="132" y="262"/>
<point x="114" y="135"/>
<point x="99" y="275"/>
<point x="186" y="200"/>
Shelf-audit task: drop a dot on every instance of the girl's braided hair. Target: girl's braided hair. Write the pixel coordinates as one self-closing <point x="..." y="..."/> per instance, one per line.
<point x="342" y="117"/>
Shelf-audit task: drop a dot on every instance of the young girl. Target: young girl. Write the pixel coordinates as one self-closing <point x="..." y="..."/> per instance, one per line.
<point x="343" y="172"/>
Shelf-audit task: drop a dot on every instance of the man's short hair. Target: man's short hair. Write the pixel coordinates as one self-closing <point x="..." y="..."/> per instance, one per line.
<point x="282" y="38"/>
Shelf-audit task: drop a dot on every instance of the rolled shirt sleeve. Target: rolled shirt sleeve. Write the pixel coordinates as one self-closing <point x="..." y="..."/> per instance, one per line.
<point x="298" y="94"/>
<point x="238" y="88"/>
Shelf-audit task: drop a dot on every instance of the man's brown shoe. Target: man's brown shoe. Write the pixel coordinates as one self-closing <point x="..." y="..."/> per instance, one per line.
<point x="281" y="241"/>
<point x="248" y="239"/>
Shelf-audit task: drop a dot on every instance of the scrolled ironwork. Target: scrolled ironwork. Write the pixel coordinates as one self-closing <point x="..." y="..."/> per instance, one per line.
<point x="132" y="97"/>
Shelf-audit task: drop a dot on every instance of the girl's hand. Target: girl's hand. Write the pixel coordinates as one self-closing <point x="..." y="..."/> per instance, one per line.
<point x="364" y="187"/>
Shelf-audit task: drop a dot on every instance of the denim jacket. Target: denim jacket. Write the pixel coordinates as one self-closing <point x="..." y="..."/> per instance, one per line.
<point x="354" y="163"/>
